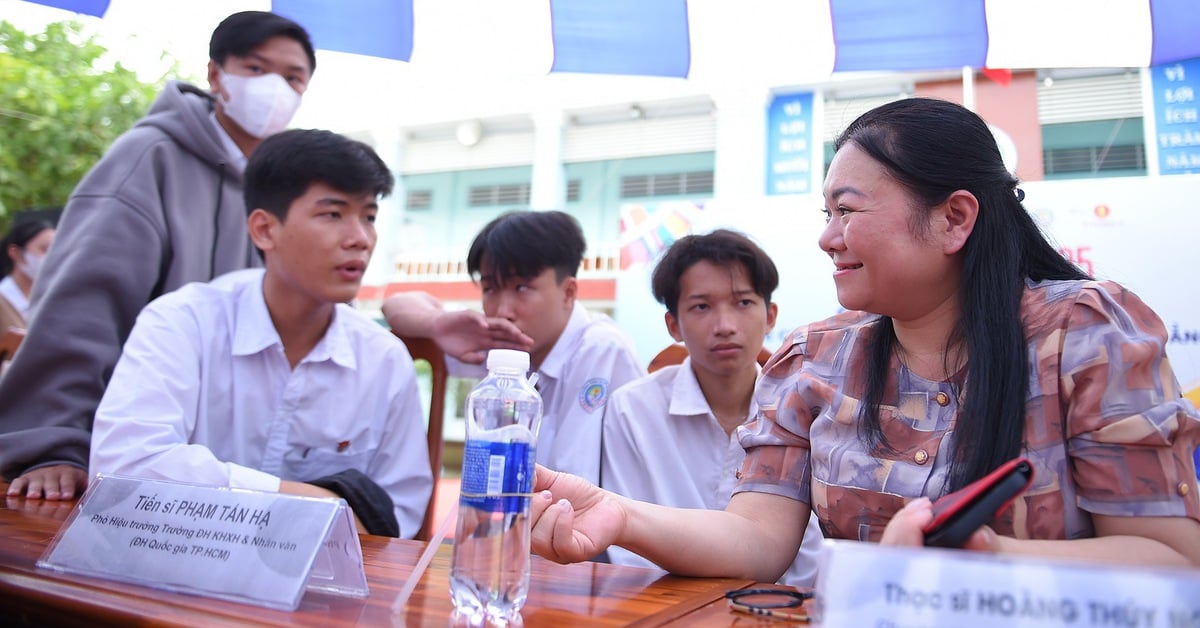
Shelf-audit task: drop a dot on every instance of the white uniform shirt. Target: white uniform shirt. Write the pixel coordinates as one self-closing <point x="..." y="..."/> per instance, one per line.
<point x="592" y="358"/>
<point x="12" y="292"/>
<point x="236" y="156"/>
<point x="662" y="444"/>
<point x="203" y="393"/>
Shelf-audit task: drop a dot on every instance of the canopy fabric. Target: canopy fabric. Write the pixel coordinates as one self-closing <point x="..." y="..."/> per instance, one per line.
<point x="784" y="39"/>
<point x="86" y="7"/>
<point x="768" y="41"/>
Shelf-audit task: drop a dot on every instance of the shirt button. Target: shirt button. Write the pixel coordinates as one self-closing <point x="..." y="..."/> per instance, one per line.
<point x="921" y="456"/>
<point x="942" y="399"/>
<point x="1183" y="489"/>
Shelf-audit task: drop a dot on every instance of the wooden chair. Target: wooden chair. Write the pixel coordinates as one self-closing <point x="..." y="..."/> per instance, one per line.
<point x="10" y="340"/>
<point x="675" y="352"/>
<point x="426" y="349"/>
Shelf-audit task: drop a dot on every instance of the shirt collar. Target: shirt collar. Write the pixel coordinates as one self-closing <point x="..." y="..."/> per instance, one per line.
<point x="10" y="290"/>
<point x="255" y="332"/>
<point x="687" y="399"/>
<point x="235" y="154"/>
<point x="556" y="360"/>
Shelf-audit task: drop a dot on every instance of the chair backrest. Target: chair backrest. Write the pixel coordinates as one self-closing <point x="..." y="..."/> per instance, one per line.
<point x="10" y="340"/>
<point x="426" y="349"/>
<point x="674" y="353"/>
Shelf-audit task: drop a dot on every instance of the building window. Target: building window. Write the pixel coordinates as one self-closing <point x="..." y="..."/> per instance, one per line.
<point x="1095" y="148"/>
<point x="513" y="194"/>
<point x="670" y="184"/>
<point x="419" y="200"/>
<point x="1094" y="159"/>
<point x="502" y="194"/>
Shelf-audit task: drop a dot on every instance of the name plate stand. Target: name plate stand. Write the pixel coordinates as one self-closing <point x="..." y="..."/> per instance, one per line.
<point x="246" y="546"/>
<point x="864" y="584"/>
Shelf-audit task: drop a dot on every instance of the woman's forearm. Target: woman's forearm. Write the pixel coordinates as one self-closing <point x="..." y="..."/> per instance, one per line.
<point x="757" y="537"/>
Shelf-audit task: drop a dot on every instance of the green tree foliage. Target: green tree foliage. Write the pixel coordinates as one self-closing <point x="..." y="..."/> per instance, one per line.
<point x="61" y="104"/>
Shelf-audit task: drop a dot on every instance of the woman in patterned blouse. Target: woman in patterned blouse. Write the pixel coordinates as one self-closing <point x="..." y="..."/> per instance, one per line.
<point x="969" y="341"/>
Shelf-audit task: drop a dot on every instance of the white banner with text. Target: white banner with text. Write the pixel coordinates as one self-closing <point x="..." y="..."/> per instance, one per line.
<point x="865" y="584"/>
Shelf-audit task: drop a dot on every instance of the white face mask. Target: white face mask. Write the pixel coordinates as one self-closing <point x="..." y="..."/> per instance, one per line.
<point x="33" y="264"/>
<point x="262" y="105"/>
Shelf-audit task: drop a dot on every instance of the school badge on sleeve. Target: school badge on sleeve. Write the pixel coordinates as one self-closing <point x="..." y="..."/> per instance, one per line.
<point x="593" y="395"/>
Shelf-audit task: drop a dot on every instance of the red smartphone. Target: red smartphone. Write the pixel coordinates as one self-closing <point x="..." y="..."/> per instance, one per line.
<point x="958" y="515"/>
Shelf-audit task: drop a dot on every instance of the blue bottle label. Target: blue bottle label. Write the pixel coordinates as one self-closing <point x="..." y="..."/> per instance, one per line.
<point x="497" y="477"/>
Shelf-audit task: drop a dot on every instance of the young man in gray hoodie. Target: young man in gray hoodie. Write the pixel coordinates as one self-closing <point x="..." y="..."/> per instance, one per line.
<point x="162" y="208"/>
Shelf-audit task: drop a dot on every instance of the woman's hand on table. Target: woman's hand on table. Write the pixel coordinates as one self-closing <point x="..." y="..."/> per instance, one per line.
<point x="573" y="519"/>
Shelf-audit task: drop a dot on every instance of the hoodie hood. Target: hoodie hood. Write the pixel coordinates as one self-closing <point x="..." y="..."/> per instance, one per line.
<point x="184" y="112"/>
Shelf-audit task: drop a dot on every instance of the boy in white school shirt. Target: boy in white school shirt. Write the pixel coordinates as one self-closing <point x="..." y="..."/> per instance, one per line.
<point x="526" y="263"/>
<point x="265" y="379"/>
<point x="671" y="437"/>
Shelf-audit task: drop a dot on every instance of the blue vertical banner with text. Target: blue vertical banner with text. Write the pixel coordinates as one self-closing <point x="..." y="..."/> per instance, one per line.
<point x="1177" y="116"/>
<point x="790" y="144"/>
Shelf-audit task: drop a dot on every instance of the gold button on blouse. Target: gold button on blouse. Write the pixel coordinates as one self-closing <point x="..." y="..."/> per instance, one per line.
<point x="921" y="456"/>
<point x="1184" y="487"/>
<point x="942" y="399"/>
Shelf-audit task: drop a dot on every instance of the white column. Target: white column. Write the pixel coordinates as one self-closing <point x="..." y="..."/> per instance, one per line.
<point x="968" y="85"/>
<point x="389" y="143"/>
<point x="548" y="188"/>
<point x="741" y="143"/>
<point x="1149" y="122"/>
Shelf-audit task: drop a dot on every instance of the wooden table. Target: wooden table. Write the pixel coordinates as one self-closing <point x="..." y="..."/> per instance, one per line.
<point x="559" y="595"/>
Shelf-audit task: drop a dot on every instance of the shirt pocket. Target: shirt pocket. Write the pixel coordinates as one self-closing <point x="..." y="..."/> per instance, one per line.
<point x="311" y="463"/>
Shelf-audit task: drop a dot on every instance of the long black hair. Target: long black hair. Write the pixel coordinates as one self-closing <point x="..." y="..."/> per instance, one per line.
<point x="933" y="148"/>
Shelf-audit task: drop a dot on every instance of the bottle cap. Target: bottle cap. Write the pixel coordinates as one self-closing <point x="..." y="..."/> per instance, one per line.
<point x="508" y="359"/>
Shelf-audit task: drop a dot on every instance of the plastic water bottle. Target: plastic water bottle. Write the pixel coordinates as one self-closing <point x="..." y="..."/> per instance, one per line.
<point x="489" y="571"/>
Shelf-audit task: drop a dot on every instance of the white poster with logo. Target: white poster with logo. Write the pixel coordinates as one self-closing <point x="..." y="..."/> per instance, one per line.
<point x="1142" y="233"/>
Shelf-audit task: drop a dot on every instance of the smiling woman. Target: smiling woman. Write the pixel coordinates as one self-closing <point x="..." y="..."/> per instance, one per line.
<point x="970" y="342"/>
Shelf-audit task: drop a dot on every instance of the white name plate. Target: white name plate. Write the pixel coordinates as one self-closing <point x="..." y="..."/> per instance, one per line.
<point x="246" y="546"/>
<point x="864" y="584"/>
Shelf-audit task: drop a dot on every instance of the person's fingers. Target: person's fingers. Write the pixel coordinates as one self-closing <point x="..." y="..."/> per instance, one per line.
<point x="72" y="482"/>
<point x="542" y="478"/>
<point x="542" y="533"/>
<point x="506" y="329"/>
<point x="66" y="485"/>
<point x="473" y="357"/>
<point x="906" y="525"/>
<point x="564" y="531"/>
<point x="983" y="540"/>
<point x="18" y="486"/>
<point x="538" y="505"/>
<point x="34" y="491"/>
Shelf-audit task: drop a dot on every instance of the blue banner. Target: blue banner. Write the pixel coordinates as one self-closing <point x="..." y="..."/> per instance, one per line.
<point x="909" y="34"/>
<point x="790" y="144"/>
<point x="1177" y="116"/>
<point x="379" y="28"/>
<point x="87" y="7"/>
<point x="621" y="37"/>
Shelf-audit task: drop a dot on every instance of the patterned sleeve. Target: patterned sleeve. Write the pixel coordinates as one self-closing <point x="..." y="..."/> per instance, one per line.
<point x="1130" y="435"/>
<point x="776" y="440"/>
